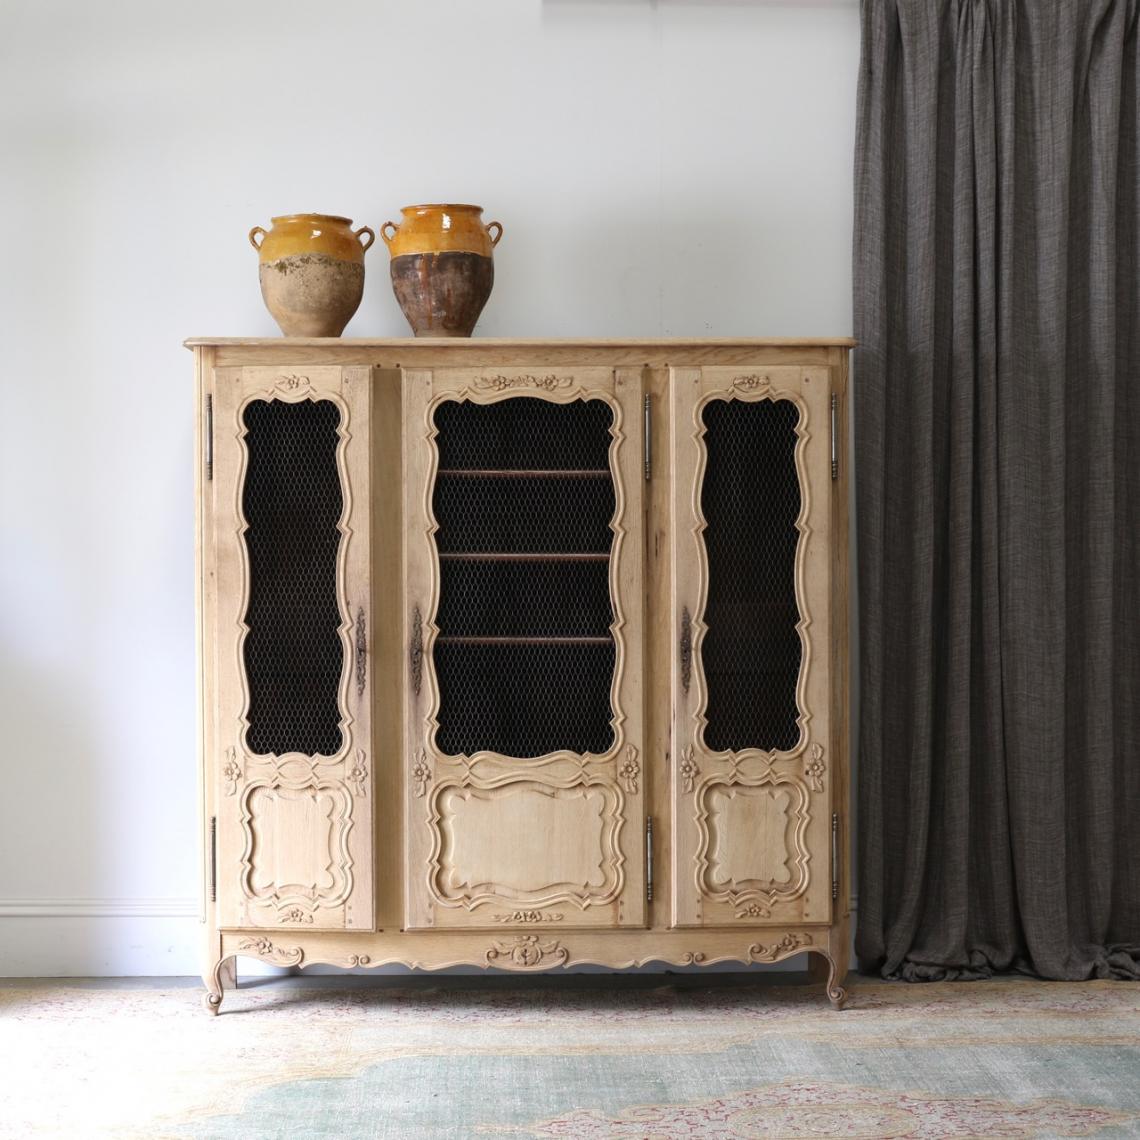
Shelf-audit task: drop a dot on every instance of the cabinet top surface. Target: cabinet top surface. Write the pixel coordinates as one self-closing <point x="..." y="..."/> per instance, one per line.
<point x="476" y="343"/>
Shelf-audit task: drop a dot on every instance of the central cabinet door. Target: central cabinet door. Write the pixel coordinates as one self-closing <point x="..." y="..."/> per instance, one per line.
<point x="524" y="630"/>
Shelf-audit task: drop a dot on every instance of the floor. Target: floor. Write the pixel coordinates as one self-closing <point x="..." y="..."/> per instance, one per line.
<point x="586" y="1056"/>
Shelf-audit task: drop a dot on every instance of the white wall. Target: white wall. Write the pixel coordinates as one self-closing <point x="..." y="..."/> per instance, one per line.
<point x="661" y="168"/>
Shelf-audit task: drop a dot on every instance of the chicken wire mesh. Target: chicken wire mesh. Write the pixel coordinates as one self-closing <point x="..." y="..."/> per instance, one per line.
<point x="751" y="652"/>
<point x="524" y="499"/>
<point x="292" y="502"/>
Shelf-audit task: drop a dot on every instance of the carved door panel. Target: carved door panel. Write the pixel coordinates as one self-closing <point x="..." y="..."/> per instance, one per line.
<point x="751" y="622"/>
<point x="294" y="770"/>
<point x="525" y="758"/>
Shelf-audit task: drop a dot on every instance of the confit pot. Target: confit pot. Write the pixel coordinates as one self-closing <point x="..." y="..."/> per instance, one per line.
<point x="311" y="268"/>
<point x="442" y="266"/>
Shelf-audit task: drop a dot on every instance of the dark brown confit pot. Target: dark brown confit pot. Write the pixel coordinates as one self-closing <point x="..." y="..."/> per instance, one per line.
<point x="442" y="266"/>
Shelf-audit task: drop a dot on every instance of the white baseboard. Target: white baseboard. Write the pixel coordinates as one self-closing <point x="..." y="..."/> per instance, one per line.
<point x="99" y="908"/>
<point x="107" y="937"/>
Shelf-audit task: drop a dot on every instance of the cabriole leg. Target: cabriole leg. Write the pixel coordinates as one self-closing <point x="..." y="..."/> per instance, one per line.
<point x="221" y="977"/>
<point x="836" y="966"/>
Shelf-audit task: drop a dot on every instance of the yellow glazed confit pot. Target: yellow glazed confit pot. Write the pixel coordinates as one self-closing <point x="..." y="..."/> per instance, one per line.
<point x="312" y="271"/>
<point x="442" y="267"/>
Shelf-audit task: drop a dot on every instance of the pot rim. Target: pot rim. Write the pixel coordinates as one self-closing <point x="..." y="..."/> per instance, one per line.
<point x="441" y="206"/>
<point x="323" y="217"/>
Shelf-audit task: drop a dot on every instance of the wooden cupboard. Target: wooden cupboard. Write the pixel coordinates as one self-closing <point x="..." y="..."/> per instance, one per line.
<point x="522" y="654"/>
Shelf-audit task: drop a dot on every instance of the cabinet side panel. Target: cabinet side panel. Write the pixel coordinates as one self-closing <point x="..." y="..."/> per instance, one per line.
<point x="205" y="633"/>
<point x="842" y="727"/>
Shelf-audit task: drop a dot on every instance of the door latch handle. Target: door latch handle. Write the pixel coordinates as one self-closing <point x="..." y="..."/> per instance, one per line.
<point x="416" y="651"/>
<point x="361" y="652"/>
<point x="686" y="649"/>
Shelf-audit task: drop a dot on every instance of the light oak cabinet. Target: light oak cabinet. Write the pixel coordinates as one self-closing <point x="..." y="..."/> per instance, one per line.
<point x="522" y="654"/>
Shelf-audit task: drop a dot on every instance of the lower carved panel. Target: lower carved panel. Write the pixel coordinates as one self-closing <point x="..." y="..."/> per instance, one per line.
<point x="563" y="847"/>
<point x="296" y="856"/>
<point x="751" y="849"/>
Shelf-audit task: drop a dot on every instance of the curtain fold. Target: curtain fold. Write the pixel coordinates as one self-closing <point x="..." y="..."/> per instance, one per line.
<point x="997" y="404"/>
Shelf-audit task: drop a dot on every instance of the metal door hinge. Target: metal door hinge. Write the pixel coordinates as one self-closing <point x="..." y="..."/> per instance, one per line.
<point x="209" y="441"/>
<point x="649" y="858"/>
<point x="213" y="858"/>
<point x="834" y="436"/>
<point x="834" y="855"/>
<point x="648" y="438"/>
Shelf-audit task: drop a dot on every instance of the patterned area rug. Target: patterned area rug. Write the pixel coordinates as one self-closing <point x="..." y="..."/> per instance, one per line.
<point x="616" y="1057"/>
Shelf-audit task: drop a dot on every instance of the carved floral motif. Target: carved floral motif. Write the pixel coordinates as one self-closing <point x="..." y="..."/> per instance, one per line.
<point x="358" y="777"/>
<point x="231" y="772"/>
<point x="630" y="770"/>
<point x="421" y="774"/>
<point x="499" y="383"/>
<point x="789" y="944"/>
<point x="754" y="910"/>
<point x="281" y="955"/>
<point x="751" y="383"/>
<point x="295" y="914"/>
<point x="528" y="951"/>
<point x="815" y="768"/>
<point x="689" y="770"/>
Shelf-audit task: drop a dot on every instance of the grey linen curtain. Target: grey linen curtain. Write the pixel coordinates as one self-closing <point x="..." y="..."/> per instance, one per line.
<point x="997" y="402"/>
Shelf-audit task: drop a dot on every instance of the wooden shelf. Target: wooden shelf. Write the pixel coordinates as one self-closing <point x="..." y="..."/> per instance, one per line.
<point x="493" y="556"/>
<point x="496" y="473"/>
<point x="524" y="641"/>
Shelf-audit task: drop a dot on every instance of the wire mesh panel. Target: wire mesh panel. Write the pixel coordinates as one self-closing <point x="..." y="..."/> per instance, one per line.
<point x="751" y="653"/>
<point x="524" y="599"/>
<point x="524" y="499"/>
<point x="524" y="700"/>
<point x="292" y="502"/>
<point x="532" y="512"/>
<point x="525" y="433"/>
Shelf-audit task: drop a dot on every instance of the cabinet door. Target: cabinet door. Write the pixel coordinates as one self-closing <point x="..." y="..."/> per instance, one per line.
<point x="291" y="503"/>
<point x="751" y="622"/>
<point x="524" y="629"/>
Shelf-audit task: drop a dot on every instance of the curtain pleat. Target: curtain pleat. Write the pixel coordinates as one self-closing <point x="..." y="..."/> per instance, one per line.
<point x="997" y="402"/>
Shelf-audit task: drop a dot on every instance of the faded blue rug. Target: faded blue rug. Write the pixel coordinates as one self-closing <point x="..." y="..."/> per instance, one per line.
<point x="582" y="1058"/>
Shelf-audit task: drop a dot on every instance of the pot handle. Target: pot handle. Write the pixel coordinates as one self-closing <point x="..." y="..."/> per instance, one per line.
<point x="365" y="230"/>
<point x="257" y="244"/>
<point x="384" y="232"/>
<point x="495" y="239"/>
